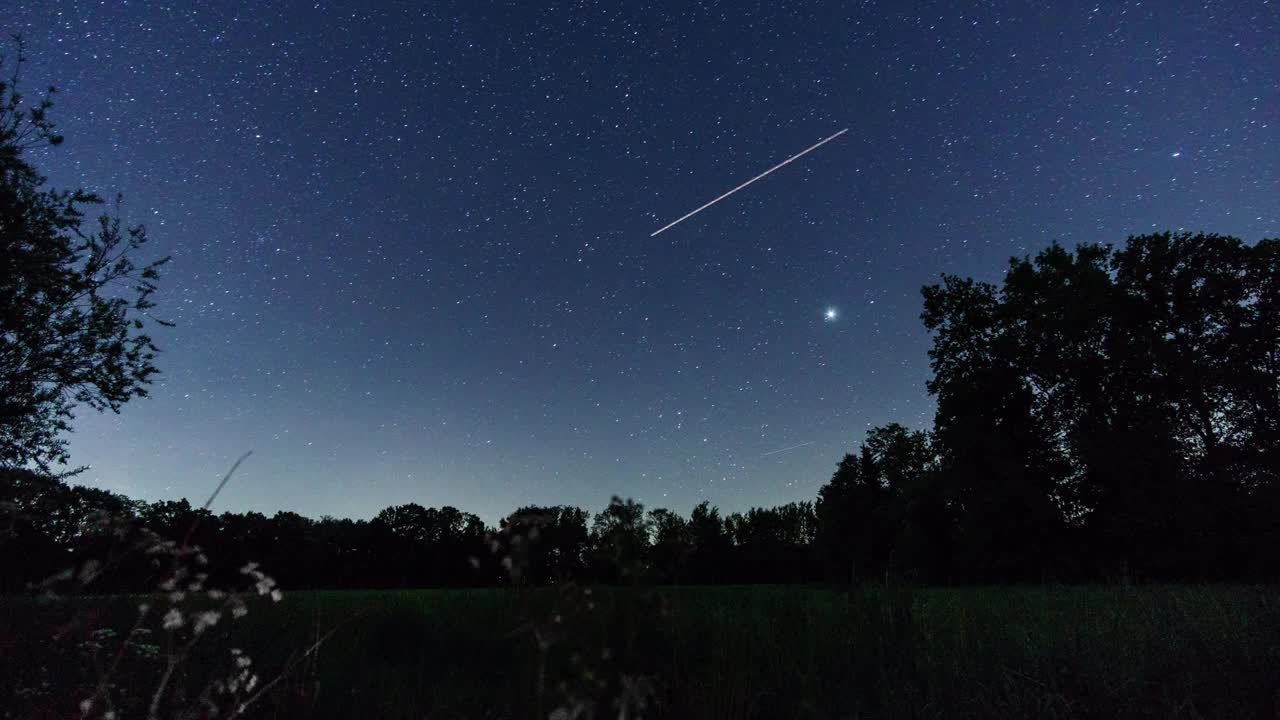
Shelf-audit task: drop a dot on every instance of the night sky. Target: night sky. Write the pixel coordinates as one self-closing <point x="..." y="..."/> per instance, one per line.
<point x="411" y="241"/>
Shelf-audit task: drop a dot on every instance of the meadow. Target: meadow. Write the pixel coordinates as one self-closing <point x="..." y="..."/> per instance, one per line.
<point x="741" y="652"/>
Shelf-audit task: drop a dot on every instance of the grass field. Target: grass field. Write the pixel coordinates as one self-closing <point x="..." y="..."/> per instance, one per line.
<point x="753" y="652"/>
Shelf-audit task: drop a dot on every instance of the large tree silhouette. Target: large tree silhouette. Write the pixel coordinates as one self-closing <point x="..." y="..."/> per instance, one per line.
<point x="1124" y="398"/>
<point x="73" y="304"/>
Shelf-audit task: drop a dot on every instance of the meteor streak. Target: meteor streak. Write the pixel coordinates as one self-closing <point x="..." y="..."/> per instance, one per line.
<point x="793" y="447"/>
<point x="797" y="156"/>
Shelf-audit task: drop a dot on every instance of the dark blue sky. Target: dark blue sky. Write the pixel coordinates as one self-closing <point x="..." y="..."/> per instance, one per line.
<point x="411" y="240"/>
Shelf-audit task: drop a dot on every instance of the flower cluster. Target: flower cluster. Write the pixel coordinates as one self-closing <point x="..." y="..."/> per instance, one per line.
<point x="184" y="607"/>
<point x="263" y="584"/>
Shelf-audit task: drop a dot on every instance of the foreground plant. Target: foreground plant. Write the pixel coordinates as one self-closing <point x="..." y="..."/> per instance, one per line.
<point x="84" y="665"/>
<point x="75" y="302"/>
<point x="581" y="672"/>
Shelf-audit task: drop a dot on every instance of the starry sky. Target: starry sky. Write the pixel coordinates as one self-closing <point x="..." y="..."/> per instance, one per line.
<point x="411" y="240"/>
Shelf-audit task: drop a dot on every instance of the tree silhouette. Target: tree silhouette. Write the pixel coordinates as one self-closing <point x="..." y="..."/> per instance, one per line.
<point x="709" y="555"/>
<point x="73" y="305"/>
<point x="914" y="511"/>
<point x="420" y="546"/>
<point x="852" y="535"/>
<point x="670" y="547"/>
<point x="557" y="542"/>
<point x="1003" y="479"/>
<point x="621" y="535"/>
<point x="773" y="544"/>
<point x="1123" y="398"/>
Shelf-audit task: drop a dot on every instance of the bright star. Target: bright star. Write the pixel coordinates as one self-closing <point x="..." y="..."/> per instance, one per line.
<point x="830" y="314"/>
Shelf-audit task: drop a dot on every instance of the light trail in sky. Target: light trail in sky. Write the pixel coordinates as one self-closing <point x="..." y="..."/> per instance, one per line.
<point x="793" y="158"/>
<point x="793" y="447"/>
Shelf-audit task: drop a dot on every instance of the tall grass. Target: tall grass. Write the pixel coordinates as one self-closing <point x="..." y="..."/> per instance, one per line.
<point x="774" y="652"/>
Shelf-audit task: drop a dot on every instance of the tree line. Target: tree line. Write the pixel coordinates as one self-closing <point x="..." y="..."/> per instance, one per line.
<point x="50" y="525"/>
<point x="1103" y="412"/>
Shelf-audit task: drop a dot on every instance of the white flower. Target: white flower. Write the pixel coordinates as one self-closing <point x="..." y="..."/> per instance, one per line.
<point x="160" y="547"/>
<point x="207" y="619"/>
<point x="85" y="706"/>
<point x="173" y="619"/>
<point x="276" y="595"/>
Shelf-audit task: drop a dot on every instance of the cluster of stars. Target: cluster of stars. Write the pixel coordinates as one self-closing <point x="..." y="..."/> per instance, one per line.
<point x="410" y="241"/>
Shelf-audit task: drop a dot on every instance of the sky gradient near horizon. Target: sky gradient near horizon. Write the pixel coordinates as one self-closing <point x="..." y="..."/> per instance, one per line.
<point x="411" y="241"/>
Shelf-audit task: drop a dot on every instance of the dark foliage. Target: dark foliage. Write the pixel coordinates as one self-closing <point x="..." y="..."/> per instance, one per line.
<point x="1112" y="412"/>
<point x="47" y="525"/>
<point x="73" y="304"/>
<point x="1105" y="414"/>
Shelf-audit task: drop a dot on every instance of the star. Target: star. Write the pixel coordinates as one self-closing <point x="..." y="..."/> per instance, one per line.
<point x="863" y="219"/>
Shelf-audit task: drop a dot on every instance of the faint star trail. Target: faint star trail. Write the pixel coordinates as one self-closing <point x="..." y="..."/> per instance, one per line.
<point x="797" y="156"/>
<point x="793" y="447"/>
